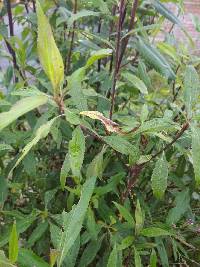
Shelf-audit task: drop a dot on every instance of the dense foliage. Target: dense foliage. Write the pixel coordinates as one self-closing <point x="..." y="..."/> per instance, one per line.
<point x="99" y="135"/>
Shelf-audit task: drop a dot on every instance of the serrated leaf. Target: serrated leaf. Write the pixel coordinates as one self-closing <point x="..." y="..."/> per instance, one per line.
<point x="125" y="213"/>
<point x="77" y="151"/>
<point x="48" y="52"/>
<point x="191" y="88"/>
<point x="75" y="89"/>
<point x="27" y="258"/>
<point x="159" y="177"/>
<point x="64" y="171"/>
<point x="136" y="82"/>
<point x="95" y="168"/>
<point x="13" y="244"/>
<point x="154" y="232"/>
<point x="37" y="233"/>
<point x="196" y="153"/>
<point x="90" y="252"/>
<point x="20" y="108"/>
<point x="74" y="222"/>
<point x="181" y="203"/>
<point x="139" y="218"/>
<point x="112" y="260"/>
<point x="121" y="145"/>
<point x="41" y="132"/>
<point x="155" y="59"/>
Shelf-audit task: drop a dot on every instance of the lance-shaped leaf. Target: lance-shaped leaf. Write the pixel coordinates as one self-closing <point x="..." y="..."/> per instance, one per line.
<point x="41" y="132"/>
<point x="4" y="262"/>
<point x="20" y="108"/>
<point x="13" y="244"/>
<point x="191" y="88"/>
<point x="159" y="177"/>
<point x="77" y="151"/>
<point x="154" y="58"/>
<point x="48" y="52"/>
<point x="74" y="221"/>
<point x="135" y="81"/>
<point x="81" y="14"/>
<point x="113" y="258"/>
<point x="196" y="152"/>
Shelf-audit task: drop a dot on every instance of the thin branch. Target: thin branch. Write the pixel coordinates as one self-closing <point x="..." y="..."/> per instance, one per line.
<point x="116" y="71"/>
<point x="68" y="60"/>
<point x="136" y="169"/>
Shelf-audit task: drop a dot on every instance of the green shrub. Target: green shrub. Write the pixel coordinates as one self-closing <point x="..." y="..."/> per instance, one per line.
<point x="100" y="138"/>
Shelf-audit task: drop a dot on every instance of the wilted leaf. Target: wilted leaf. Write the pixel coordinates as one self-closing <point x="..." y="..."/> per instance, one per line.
<point x="49" y="54"/>
<point x="110" y="125"/>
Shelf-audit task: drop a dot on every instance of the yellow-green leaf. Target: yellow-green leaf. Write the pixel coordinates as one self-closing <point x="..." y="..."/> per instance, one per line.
<point x="13" y="244"/>
<point x="48" y="52"/>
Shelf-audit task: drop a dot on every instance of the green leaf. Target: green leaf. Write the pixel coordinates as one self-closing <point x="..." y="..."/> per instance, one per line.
<point x="27" y="258"/>
<point x="137" y="258"/>
<point x="153" y="259"/>
<point x="3" y="191"/>
<point x="139" y="218"/>
<point x="20" y="108"/>
<point x="113" y="258"/>
<point x="41" y="133"/>
<point x="125" y="213"/>
<point x="64" y="171"/>
<point x="196" y="152"/>
<point x="48" y="52"/>
<point x="163" y="10"/>
<point x="4" y="262"/>
<point x="159" y="177"/>
<point x="79" y="15"/>
<point x="90" y="252"/>
<point x="74" y="223"/>
<point x="13" y="244"/>
<point x="155" y="59"/>
<point x="102" y="53"/>
<point x="181" y="203"/>
<point x="120" y="144"/>
<point x="37" y="233"/>
<point x="154" y="232"/>
<point x="75" y="89"/>
<point x="136" y="82"/>
<point x="77" y="151"/>
<point x="191" y="88"/>
<point x="22" y="226"/>
<point x="5" y="147"/>
<point x="95" y="168"/>
<point x="71" y="258"/>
